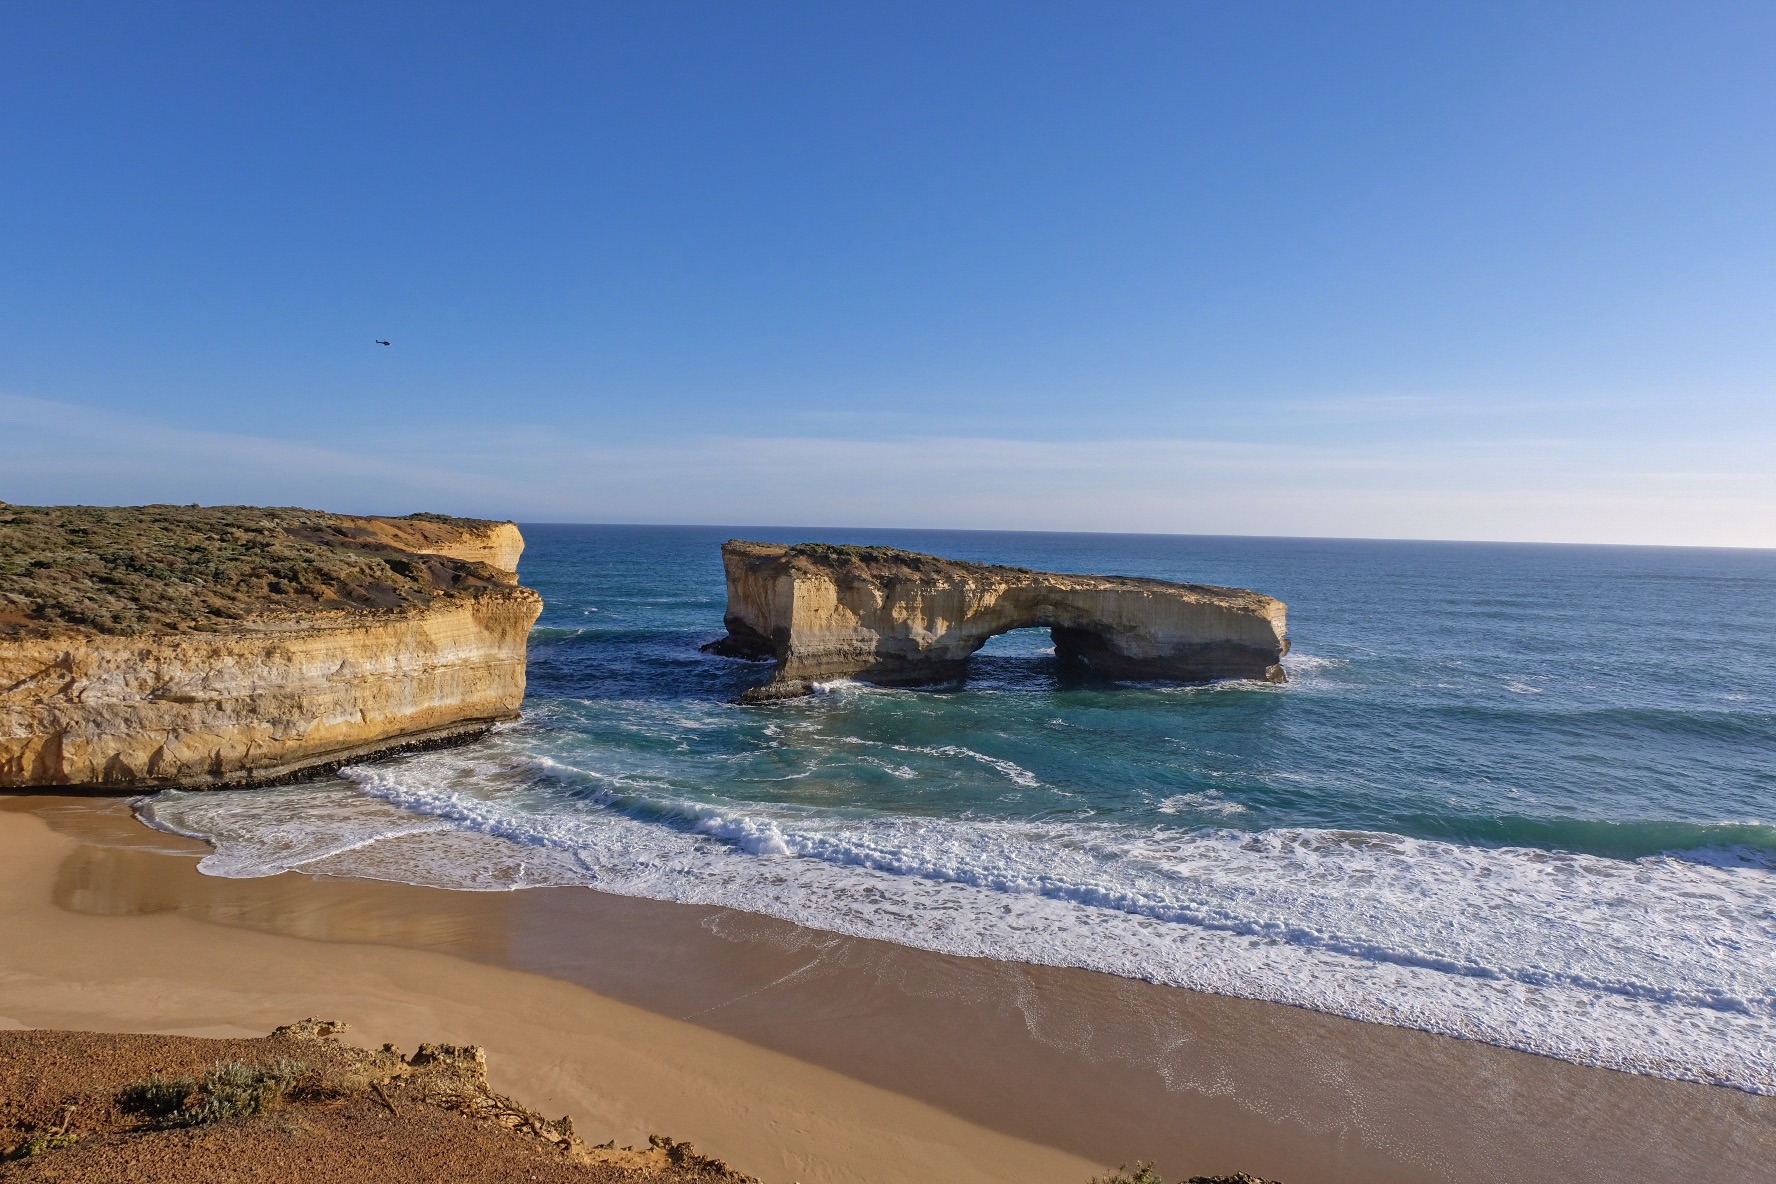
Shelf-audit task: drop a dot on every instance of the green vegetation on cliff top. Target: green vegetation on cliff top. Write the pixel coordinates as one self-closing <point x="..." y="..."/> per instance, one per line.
<point x="880" y="557"/>
<point x="123" y="570"/>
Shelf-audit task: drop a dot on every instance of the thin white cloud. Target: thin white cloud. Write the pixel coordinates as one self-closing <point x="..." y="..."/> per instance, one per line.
<point x="1700" y="492"/>
<point x="60" y="452"/>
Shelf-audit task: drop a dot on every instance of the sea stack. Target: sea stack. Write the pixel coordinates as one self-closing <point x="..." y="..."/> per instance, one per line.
<point x="899" y="618"/>
<point x="177" y="646"/>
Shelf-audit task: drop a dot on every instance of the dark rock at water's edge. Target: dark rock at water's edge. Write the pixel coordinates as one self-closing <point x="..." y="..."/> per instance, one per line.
<point x="899" y="618"/>
<point x="775" y="691"/>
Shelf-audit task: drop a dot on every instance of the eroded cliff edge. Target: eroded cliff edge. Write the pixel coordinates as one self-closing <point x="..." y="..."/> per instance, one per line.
<point x="899" y="618"/>
<point x="183" y="646"/>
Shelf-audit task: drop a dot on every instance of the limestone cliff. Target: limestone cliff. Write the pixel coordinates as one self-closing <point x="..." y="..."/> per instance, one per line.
<point x="182" y="646"/>
<point x="898" y="618"/>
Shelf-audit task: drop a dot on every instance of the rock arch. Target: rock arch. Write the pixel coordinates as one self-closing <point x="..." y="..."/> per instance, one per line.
<point x="898" y="618"/>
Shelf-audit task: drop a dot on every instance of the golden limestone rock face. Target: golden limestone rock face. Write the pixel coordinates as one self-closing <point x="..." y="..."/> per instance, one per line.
<point x="897" y="618"/>
<point x="174" y="646"/>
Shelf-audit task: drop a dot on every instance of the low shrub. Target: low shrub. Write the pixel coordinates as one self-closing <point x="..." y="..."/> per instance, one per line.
<point x="1143" y="1174"/>
<point x="232" y="1090"/>
<point x="38" y="1144"/>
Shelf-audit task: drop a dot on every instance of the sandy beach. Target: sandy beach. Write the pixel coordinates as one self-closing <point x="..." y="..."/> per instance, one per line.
<point x="802" y="1056"/>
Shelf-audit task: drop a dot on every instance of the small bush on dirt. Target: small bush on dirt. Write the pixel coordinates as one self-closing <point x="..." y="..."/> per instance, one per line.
<point x="233" y="1090"/>
<point x="38" y="1144"/>
<point x="1144" y="1174"/>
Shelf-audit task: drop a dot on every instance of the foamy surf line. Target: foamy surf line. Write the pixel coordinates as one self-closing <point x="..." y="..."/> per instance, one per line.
<point x="1662" y="966"/>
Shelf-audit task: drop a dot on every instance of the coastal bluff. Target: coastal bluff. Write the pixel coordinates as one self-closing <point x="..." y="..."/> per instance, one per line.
<point x="899" y="618"/>
<point x="158" y="647"/>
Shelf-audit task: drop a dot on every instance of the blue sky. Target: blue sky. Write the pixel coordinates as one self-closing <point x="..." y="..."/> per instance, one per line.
<point x="1453" y="271"/>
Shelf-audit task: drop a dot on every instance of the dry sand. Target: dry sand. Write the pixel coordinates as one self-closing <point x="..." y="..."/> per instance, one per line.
<point x="799" y="1056"/>
<point x="619" y="1071"/>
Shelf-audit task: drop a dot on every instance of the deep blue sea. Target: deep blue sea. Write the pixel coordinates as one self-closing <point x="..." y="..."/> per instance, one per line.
<point x="1522" y="794"/>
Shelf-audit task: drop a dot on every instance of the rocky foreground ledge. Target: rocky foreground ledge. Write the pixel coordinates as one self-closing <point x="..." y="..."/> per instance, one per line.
<point x="184" y="646"/>
<point x="899" y="618"/>
<point x="299" y="1105"/>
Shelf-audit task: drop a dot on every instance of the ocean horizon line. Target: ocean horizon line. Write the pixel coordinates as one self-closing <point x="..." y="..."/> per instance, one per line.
<point x="1144" y="534"/>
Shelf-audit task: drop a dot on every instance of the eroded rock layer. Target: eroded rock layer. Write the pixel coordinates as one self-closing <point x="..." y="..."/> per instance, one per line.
<point x="170" y="646"/>
<point x="898" y="618"/>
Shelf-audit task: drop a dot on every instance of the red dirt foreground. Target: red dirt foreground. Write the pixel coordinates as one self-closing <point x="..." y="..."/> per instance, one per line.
<point x="298" y="1105"/>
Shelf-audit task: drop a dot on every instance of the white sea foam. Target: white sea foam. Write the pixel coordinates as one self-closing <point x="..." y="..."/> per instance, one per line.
<point x="1664" y="965"/>
<point x="1015" y="773"/>
<point x="1208" y="801"/>
<point x="1295" y="661"/>
<point x="1011" y="770"/>
<point x="850" y="686"/>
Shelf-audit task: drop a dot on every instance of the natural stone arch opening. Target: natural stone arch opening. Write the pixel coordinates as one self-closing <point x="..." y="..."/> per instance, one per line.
<point x="898" y="618"/>
<point x="1069" y="644"/>
<point x="1032" y="641"/>
<point x="1065" y="655"/>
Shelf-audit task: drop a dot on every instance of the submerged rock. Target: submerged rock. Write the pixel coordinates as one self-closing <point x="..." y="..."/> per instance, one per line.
<point x="899" y="618"/>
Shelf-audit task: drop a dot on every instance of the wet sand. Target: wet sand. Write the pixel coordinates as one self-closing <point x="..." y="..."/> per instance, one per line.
<point x="799" y="1055"/>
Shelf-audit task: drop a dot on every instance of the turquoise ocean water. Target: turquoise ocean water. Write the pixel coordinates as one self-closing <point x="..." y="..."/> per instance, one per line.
<point x="1522" y="794"/>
